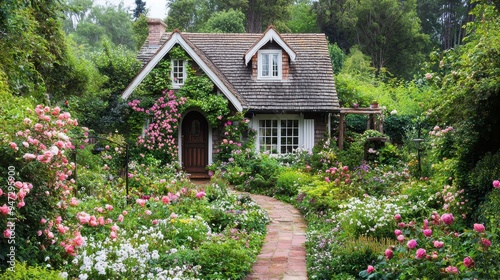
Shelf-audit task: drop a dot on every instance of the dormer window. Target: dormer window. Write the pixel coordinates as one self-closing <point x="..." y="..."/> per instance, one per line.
<point x="178" y="73"/>
<point x="270" y="64"/>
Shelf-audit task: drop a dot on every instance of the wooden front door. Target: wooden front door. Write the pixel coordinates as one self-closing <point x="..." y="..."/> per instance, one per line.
<point x="195" y="145"/>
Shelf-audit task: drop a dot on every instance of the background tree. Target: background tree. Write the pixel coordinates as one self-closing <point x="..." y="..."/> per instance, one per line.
<point x="92" y="25"/>
<point x="140" y="9"/>
<point x="389" y="31"/>
<point x="302" y="18"/>
<point x="335" y="18"/>
<point x="231" y="21"/>
<point x="262" y="13"/>
<point x="187" y="15"/>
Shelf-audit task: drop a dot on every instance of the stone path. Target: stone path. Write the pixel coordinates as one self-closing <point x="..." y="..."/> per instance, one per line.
<point x="283" y="255"/>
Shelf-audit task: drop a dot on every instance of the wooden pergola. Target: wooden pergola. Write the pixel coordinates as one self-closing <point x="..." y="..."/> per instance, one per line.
<point x="372" y="123"/>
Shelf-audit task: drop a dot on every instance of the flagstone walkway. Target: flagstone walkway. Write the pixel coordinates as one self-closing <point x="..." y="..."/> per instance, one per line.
<point x="283" y="255"/>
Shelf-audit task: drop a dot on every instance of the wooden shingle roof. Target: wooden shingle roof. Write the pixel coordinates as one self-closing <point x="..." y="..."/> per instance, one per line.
<point x="310" y="84"/>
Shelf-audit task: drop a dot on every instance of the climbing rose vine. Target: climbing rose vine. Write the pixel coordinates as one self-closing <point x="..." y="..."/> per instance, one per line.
<point x="160" y="134"/>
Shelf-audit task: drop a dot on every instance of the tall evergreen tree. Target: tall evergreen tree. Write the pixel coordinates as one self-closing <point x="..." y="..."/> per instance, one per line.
<point x="140" y="8"/>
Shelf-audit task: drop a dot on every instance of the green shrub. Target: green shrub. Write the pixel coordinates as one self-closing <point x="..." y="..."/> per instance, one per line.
<point x="228" y="258"/>
<point x="23" y="272"/>
<point x="395" y="126"/>
<point x="289" y="182"/>
<point x="489" y="214"/>
<point x="485" y="171"/>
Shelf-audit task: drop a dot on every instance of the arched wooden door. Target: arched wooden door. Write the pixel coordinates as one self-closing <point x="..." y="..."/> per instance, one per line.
<point x="195" y="145"/>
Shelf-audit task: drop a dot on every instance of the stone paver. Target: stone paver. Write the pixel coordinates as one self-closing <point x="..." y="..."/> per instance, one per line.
<point x="283" y="255"/>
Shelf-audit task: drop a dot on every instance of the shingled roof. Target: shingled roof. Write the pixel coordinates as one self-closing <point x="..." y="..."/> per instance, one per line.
<point x="310" y="85"/>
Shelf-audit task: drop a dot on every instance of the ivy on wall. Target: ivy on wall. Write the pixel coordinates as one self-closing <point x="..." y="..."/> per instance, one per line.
<point x="198" y="92"/>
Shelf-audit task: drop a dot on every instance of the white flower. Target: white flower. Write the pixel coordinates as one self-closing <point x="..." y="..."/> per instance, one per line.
<point x="83" y="276"/>
<point x="394" y="112"/>
<point x="63" y="274"/>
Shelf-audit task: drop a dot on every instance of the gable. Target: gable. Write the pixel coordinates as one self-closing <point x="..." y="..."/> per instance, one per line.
<point x="209" y="70"/>
<point x="269" y="36"/>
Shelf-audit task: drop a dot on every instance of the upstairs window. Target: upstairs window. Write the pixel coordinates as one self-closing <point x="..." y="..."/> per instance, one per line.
<point x="178" y="73"/>
<point x="270" y="64"/>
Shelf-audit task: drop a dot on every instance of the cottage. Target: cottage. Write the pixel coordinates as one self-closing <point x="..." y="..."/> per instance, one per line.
<point x="284" y="83"/>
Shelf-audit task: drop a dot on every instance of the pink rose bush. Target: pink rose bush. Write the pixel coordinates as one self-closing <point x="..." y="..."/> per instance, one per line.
<point x="435" y="251"/>
<point x="42" y="186"/>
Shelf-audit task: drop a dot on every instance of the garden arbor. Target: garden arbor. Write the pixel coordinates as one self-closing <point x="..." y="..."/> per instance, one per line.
<point x="375" y="121"/>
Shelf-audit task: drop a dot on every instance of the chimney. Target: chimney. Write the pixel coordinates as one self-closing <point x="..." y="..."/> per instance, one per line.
<point x="156" y="30"/>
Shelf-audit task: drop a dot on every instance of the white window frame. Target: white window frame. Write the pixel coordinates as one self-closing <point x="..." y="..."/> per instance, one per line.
<point x="269" y="53"/>
<point x="176" y="84"/>
<point x="255" y="123"/>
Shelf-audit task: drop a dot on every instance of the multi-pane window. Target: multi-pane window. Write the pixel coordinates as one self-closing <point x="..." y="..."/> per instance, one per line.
<point x="278" y="136"/>
<point x="289" y="135"/>
<point x="178" y="73"/>
<point x="270" y="64"/>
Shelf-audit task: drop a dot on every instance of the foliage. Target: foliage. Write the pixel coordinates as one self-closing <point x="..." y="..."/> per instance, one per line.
<point x="289" y="181"/>
<point x="337" y="56"/>
<point x="91" y="25"/>
<point x="480" y="177"/>
<point x="101" y="107"/>
<point x="302" y="18"/>
<point x="231" y="21"/>
<point x="334" y="256"/>
<point x="23" y="272"/>
<point x="36" y="57"/>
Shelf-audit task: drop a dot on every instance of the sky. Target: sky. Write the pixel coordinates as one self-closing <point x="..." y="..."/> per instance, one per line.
<point x="156" y="8"/>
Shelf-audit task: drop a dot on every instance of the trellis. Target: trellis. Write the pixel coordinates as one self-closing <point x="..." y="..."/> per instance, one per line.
<point x="374" y="122"/>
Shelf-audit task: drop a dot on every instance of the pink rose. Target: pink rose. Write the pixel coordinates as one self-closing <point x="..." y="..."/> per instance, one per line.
<point x="4" y="210"/>
<point x="113" y="235"/>
<point x="496" y="184"/>
<point x="120" y="218"/>
<point x="486" y="243"/>
<point x="14" y="146"/>
<point x="388" y="254"/>
<point x="479" y="227"/>
<point x="412" y="244"/>
<point x="7" y="233"/>
<point x="397" y="217"/>
<point x="447" y="219"/>
<point x="468" y="262"/>
<point x="420" y="253"/>
<point x="200" y="195"/>
<point x="398" y="232"/>
<point x="427" y="232"/>
<point x="165" y="200"/>
<point x="141" y="202"/>
<point x="148" y="212"/>
<point x="451" y="270"/>
<point x="370" y="269"/>
<point x="438" y="244"/>
<point x="400" y="238"/>
<point x="109" y="207"/>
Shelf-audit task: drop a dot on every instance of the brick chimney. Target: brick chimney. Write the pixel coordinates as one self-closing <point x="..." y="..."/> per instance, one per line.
<point x="156" y="30"/>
